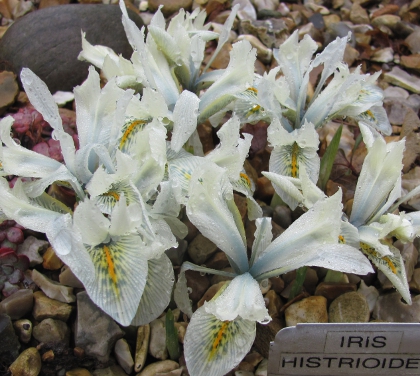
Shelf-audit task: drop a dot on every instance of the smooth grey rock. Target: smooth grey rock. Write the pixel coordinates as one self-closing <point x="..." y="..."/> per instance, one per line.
<point x="23" y="329"/>
<point x="349" y="307"/>
<point x="95" y="331"/>
<point x="52" y="332"/>
<point x="201" y="248"/>
<point x="46" y="308"/>
<point x="31" y="246"/>
<point x="48" y="41"/>
<point x="27" y="364"/>
<point x="18" y="304"/>
<point x="123" y="355"/>
<point x="390" y="307"/>
<point x="9" y="343"/>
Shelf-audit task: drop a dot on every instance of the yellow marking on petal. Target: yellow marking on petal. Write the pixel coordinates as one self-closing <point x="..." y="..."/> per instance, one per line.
<point x="372" y="252"/>
<point x="245" y="179"/>
<point x="255" y="108"/>
<point x="253" y="89"/>
<point x="219" y="338"/>
<point x="115" y="195"/>
<point x="110" y="262"/>
<point x="130" y="129"/>
<point x="295" y="163"/>
<point x="370" y="114"/>
<point x="341" y="239"/>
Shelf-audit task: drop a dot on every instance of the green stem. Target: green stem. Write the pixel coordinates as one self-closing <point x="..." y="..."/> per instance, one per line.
<point x="172" y="343"/>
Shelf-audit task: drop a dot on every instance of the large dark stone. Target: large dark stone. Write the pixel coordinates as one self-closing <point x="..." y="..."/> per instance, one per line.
<point x="9" y="343"/>
<point x="48" y="41"/>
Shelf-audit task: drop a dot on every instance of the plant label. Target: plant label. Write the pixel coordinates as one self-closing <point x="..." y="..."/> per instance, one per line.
<point x="346" y="349"/>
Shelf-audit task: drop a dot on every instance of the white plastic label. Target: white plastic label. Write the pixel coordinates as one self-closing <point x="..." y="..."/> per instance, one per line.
<point x="346" y="349"/>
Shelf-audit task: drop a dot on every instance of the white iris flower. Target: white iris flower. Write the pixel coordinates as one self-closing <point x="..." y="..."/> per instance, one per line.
<point x="222" y="331"/>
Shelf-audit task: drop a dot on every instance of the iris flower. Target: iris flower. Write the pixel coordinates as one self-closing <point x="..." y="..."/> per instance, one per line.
<point x="222" y="331"/>
<point x="115" y="239"/>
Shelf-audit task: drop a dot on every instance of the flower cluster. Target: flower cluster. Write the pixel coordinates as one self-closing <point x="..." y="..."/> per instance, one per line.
<point x="139" y="160"/>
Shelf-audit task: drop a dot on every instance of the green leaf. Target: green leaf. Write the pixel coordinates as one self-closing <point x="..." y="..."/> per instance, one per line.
<point x="328" y="158"/>
<point x="298" y="283"/>
<point x="172" y="343"/>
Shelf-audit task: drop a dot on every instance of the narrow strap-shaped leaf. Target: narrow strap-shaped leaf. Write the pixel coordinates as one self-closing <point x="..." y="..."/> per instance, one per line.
<point x="328" y="158"/>
<point x="172" y="343"/>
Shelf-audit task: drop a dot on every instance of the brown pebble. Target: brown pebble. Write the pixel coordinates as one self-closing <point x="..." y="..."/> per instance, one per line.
<point x="48" y="356"/>
<point x="78" y="352"/>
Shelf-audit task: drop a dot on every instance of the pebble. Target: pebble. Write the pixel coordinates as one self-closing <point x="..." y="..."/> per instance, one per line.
<point x="169" y="6"/>
<point x="349" y="307"/>
<point x="51" y="260"/>
<point x="246" y="10"/>
<point x="396" y="92"/>
<point x="270" y="32"/>
<point x="386" y="9"/>
<point x="403" y="79"/>
<point x="197" y="284"/>
<point x="311" y="309"/>
<point x="27" y="364"/>
<point x="218" y="261"/>
<point x="277" y="284"/>
<point x="411" y="61"/>
<point x="387" y="20"/>
<point x="413" y="42"/>
<point x="95" y="331"/>
<point x="274" y="304"/>
<point x="23" y="329"/>
<point x="282" y="215"/>
<point x="210" y="293"/>
<point x="159" y="367"/>
<point x="266" y="4"/>
<point x="262" y="368"/>
<point x="264" y="53"/>
<point x="265" y="334"/>
<point x="123" y="355"/>
<point x="370" y="293"/>
<point x="331" y="290"/>
<point x="383" y="55"/>
<point x="9" y="89"/>
<point x="31" y="248"/>
<point x="55" y="41"/>
<point x="9" y="344"/>
<point x="78" y="372"/>
<point x="415" y="281"/>
<point x="114" y="370"/>
<point x="45" y="308"/>
<point x="157" y="344"/>
<point x="177" y="254"/>
<point x="391" y="308"/>
<point x="52" y="289"/>
<point x="18" y="304"/>
<point x="200" y="249"/>
<point x="181" y="328"/>
<point x="358" y="14"/>
<point x="67" y="278"/>
<point x="52" y="332"/>
<point x="142" y="346"/>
